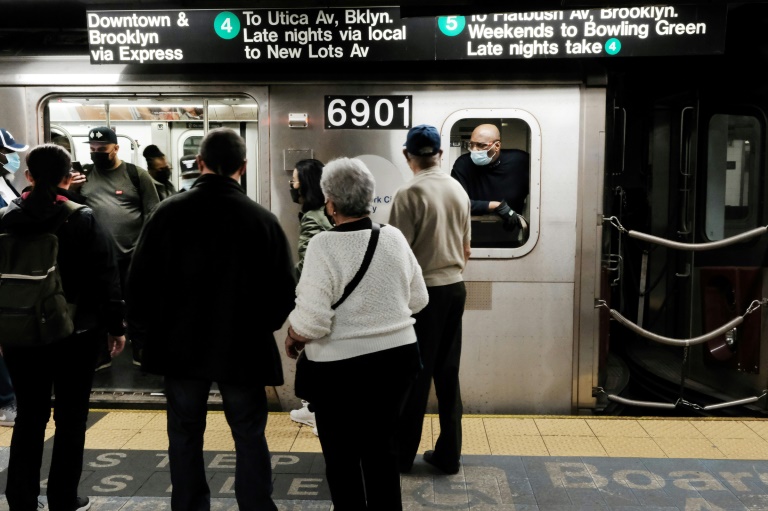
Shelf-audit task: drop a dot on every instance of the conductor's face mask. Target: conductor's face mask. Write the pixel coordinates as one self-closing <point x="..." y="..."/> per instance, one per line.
<point x="479" y="152"/>
<point x="13" y="164"/>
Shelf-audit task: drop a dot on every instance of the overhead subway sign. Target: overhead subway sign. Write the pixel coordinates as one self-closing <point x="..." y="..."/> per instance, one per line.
<point x="380" y="34"/>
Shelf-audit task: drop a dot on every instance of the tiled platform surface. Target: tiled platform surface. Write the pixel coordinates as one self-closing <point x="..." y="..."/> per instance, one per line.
<point x="543" y="463"/>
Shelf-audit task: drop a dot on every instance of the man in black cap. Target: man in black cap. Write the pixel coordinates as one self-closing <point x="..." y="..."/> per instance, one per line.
<point x="433" y="213"/>
<point x="10" y="162"/>
<point x="122" y="196"/>
<point x="158" y="168"/>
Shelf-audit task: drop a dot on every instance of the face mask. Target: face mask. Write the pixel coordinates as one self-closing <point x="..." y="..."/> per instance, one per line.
<point x="295" y="196"/>
<point x="14" y="162"/>
<point x="481" y="157"/>
<point x="101" y="160"/>
<point x="163" y="174"/>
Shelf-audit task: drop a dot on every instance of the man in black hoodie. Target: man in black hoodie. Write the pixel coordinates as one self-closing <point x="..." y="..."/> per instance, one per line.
<point x="90" y="279"/>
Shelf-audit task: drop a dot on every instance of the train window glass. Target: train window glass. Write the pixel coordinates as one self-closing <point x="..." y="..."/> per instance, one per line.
<point x="507" y="178"/>
<point x="176" y="124"/>
<point x="733" y="152"/>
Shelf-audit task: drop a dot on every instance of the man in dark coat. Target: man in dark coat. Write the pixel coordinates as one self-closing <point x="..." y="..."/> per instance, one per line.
<point x="210" y="281"/>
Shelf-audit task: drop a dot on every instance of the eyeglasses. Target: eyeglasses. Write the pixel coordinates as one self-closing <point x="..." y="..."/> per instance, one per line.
<point x="473" y="146"/>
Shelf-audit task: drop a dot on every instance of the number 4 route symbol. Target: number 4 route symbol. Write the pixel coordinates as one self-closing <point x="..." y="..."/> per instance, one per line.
<point x="227" y="25"/>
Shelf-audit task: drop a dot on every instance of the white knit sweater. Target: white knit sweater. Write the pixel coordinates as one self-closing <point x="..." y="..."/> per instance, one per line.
<point x="377" y="315"/>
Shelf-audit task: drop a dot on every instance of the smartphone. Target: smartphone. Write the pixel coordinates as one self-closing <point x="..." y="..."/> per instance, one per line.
<point x="76" y="167"/>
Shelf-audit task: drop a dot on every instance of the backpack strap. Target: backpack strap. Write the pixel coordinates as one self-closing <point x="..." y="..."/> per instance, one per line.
<point x="372" y="241"/>
<point x="69" y="208"/>
<point x="133" y="174"/>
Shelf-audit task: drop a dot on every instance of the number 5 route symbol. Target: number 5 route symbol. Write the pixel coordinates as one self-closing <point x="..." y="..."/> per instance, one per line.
<point x="227" y="25"/>
<point x="451" y="25"/>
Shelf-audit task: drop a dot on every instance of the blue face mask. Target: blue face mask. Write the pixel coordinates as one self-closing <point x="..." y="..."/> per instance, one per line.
<point x="14" y="162"/>
<point x="480" y="158"/>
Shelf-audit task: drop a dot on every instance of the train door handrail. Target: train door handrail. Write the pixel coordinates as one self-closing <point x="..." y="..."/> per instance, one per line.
<point x="756" y="304"/>
<point x="679" y="402"/>
<point x="693" y="247"/>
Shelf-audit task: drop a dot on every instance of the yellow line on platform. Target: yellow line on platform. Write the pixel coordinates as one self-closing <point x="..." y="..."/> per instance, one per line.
<point x="512" y="435"/>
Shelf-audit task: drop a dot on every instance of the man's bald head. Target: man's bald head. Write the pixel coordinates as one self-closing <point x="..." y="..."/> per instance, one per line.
<point x="486" y="131"/>
<point x="486" y="137"/>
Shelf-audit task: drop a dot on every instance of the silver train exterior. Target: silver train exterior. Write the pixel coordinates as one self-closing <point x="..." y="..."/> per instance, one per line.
<point x="651" y="149"/>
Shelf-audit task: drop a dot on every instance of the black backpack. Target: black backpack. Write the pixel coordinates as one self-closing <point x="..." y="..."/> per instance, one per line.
<point x="33" y="308"/>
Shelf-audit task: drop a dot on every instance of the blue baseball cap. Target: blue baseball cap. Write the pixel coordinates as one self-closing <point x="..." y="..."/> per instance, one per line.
<point x="8" y="142"/>
<point x="422" y="140"/>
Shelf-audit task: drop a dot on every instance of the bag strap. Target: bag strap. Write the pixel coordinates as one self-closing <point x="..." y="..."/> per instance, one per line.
<point x="374" y="239"/>
<point x="133" y="174"/>
<point x="70" y="207"/>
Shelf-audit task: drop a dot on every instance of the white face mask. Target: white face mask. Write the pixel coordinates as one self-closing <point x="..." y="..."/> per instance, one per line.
<point x="14" y="162"/>
<point x="481" y="158"/>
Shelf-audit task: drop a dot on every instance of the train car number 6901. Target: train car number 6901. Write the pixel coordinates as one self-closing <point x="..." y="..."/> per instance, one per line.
<point x="368" y="112"/>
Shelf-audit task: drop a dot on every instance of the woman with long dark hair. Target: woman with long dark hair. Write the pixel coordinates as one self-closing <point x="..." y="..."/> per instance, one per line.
<point x="90" y="279"/>
<point x="305" y="190"/>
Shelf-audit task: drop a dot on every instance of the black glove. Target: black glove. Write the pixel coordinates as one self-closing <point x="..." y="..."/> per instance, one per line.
<point x="509" y="218"/>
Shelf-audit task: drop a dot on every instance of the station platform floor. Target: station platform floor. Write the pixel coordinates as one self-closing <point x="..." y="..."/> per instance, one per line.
<point x="522" y="463"/>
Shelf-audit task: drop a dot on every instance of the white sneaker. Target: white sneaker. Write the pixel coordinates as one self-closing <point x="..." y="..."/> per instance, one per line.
<point x="8" y="415"/>
<point x="303" y="415"/>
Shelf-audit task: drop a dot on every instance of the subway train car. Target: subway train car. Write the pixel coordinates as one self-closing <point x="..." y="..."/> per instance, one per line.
<point x="641" y="279"/>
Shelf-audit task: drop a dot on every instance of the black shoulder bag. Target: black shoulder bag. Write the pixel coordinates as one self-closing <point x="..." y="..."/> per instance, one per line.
<point x="303" y="384"/>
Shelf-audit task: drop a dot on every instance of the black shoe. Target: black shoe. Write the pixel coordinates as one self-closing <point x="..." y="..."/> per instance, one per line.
<point x="429" y="457"/>
<point x="82" y="503"/>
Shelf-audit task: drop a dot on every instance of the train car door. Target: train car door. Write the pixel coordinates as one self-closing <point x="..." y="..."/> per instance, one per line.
<point x="176" y="123"/>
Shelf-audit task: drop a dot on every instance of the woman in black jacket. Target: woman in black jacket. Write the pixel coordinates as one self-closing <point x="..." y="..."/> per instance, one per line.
<point x="91" y="281"/>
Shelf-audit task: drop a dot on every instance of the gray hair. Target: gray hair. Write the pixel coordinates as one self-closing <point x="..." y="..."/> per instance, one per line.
<point x="223" y="151"/>
<point x="350" y="185"/>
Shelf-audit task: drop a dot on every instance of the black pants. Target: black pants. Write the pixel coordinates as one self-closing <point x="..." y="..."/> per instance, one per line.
<point x="361" y="455"/>
<point x="245" y="407"/>
<point x="438" y="330"/>
<point x="67" y="368"/>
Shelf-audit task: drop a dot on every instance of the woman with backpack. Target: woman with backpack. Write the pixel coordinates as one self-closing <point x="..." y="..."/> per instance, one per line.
<point x="90" y="281"/>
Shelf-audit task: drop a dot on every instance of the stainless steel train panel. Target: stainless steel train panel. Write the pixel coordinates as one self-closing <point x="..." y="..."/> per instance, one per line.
<point x="519" y="355"/>
<point x="525" y="348"/>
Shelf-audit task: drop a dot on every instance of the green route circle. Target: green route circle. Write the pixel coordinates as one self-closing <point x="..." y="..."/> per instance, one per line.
<point x="612" y="46"/>
<point x="227" y="25"/>
<point x="451" y="25"/>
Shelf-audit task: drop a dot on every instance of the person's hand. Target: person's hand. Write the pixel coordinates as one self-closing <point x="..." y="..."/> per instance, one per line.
<point x="115" y="345"/>
<point x="293" y="347"/>
<point x="508" y="217"/>
<point x="76" y="181"/>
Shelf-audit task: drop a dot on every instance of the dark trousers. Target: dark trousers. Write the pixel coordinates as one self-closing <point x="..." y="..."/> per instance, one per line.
<point x="245" y="407"/>
<point x="361" y="455"/>
<point x="67" y="368"/>
<point x="438" y="330"/>
<point x="7" y="396"/>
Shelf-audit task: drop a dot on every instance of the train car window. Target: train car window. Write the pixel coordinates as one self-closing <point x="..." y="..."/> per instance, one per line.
<point x="176" y="125"/>
<point x="508" y="179"/>
<point x="733" y="179"/>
